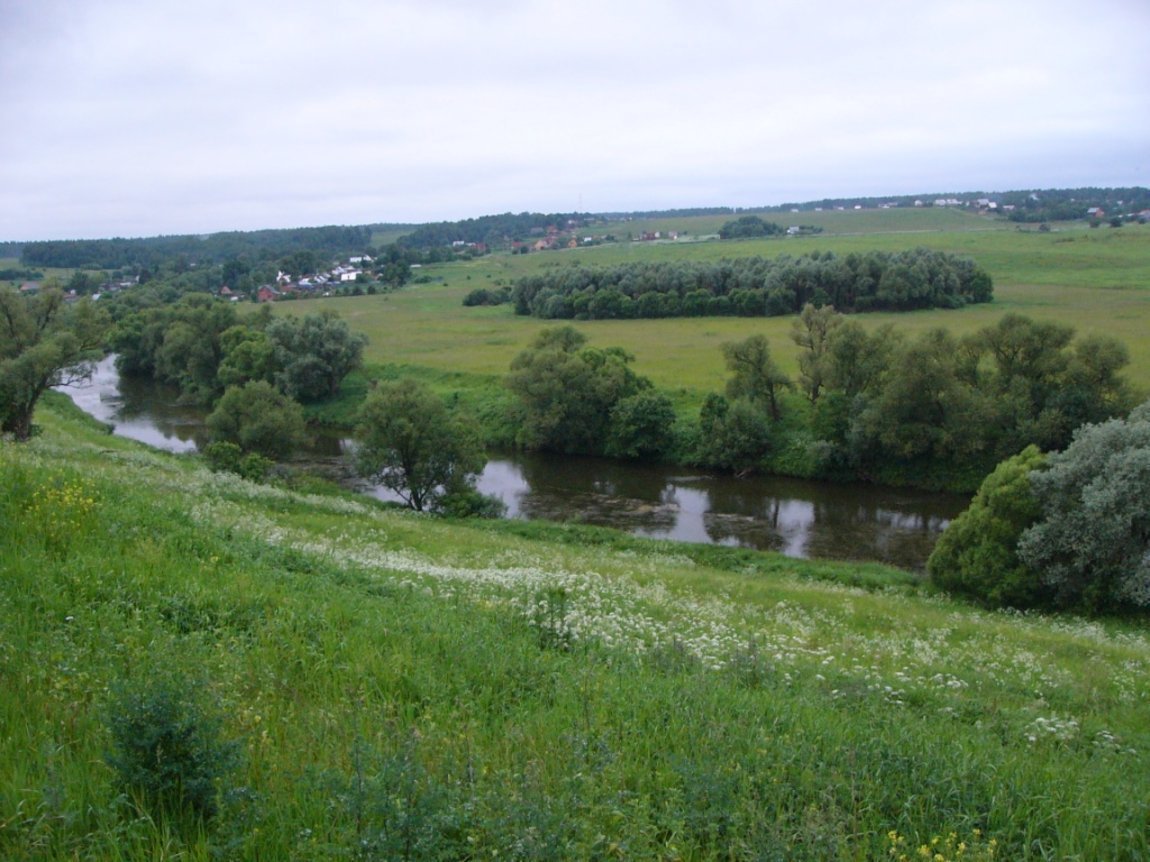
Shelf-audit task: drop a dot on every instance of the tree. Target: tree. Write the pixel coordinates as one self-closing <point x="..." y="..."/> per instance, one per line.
<point x="642" y="426"/>
<point x="567" y="391"/>
<point x="248" y="354"/>
<point x="411" y="444"/>
<point x="313" y="355"/>
<point x="755" y="376"/>
<point x="977" y="553"/>
<point x="748" y="226"/>
<point x="812" y="332"/>
<point x="855" y="362"/>
<point x="258" y="418"/>
<point x="735" y="435"/>
<point x="44" y="342"/>
<point x="178" y="344"/>
<point x="924" y="409"/>
<point x="1092" y="543"/>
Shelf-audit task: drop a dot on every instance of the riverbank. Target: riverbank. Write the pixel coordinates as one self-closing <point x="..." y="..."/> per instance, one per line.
<point x="800" y="518"/>
<point x="390" y="680"/>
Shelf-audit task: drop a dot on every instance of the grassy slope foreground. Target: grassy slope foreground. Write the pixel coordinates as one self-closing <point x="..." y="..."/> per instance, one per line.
<point x="407" y="688"/>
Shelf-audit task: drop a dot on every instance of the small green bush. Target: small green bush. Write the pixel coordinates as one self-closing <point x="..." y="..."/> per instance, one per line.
<point x="225" y="457"/>
<point x="166" y="748"/>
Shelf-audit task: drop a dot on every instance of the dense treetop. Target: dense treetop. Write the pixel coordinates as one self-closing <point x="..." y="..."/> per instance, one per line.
<point x="755" y="286"/>
<point x="749" y="226"/>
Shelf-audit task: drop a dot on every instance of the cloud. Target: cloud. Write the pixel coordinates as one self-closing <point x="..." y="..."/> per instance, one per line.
<point x="141" y="117"/>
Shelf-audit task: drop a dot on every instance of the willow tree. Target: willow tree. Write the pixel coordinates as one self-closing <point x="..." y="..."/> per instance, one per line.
<point x="45" y="341"/>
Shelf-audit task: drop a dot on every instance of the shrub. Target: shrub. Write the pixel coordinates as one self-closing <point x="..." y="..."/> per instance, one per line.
<point x="976" y="555"/>
<point x="1092" y="544"/>
<point x="166" y="748"/>
<point x="224" y="457"/>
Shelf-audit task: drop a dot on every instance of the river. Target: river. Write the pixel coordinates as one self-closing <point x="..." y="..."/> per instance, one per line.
<point x="813" y="520"/>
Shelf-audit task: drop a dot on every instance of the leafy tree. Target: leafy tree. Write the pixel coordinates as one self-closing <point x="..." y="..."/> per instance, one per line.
<point x="44" y="342"/>
<point x="567" y="391"/>
<point x="313" y="355"/>
<point x="411" y="444"/>
<point x="924" y="409"/>
<point x="977" y="553"/>
<point x="856" y="362"/>
<point x="178" y="344"/>
<point x="734" y="435"/>
<point x="248" y="354"/>
<point x="642" y="426"/>
<point x="258" y="418"/>
<point x="754" y="375"/>
<point x="812" y="332"/>
<point x="1043" y="384"/>
<point x="1092" y="543"/>
<point x="916" y="278"/>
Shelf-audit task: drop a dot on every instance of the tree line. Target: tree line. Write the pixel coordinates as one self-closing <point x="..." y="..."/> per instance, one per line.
<point x="201" y="346"/>
<point x="755" y="286"/>
<point x="151" y="252"/>
<point x="932" y="411"/>
<point x="493" y="231"/>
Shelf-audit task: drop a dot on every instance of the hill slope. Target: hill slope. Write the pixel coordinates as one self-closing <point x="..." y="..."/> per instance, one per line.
<point x="406" y="688"/>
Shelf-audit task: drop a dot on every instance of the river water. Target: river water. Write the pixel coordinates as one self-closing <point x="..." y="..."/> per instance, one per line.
<point x="814" y="520"/>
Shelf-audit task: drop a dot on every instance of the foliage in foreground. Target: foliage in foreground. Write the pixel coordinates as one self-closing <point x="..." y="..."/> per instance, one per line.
<point x="406" y="688"/>
<point x="977" y="554"/>
<point x="1070" y="530"/>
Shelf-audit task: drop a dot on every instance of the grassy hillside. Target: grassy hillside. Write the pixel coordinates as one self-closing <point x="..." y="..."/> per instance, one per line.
<point x="398" y="687"/>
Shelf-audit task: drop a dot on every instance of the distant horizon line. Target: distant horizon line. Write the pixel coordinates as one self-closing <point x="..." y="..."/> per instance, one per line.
<point x="713" y="209"/>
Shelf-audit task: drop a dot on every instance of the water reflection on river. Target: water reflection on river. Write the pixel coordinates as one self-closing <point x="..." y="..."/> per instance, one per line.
<point x="815" y="520"/>
<point x="795" y="517"/>
<point x="140" y="409"/>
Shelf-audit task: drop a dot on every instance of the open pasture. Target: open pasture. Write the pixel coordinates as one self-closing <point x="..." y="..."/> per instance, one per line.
<point x="1097" y="281"/>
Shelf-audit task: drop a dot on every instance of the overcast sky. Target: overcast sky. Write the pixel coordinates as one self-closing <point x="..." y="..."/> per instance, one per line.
<point x="142" y="117"/>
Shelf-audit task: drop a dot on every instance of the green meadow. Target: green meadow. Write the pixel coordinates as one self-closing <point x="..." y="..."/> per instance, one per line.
<point x="364" y="683"/>
<point x="1096" y="280"/>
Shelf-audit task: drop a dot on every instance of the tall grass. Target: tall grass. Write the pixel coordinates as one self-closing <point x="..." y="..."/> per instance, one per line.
<point x="407" y="688"/>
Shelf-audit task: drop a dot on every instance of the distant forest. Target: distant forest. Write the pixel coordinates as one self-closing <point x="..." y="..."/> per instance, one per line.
<point x="502" y="231"/>
<point x="213" y="248"/>
<point x="493" y="231"/>
<point x="755" y="286"/>
<point x="1029" y="204"/>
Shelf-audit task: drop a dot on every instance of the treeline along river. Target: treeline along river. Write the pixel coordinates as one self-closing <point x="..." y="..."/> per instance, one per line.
<point x="814" y="520"/>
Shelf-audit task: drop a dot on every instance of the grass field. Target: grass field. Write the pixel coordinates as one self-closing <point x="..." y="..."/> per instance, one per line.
<point x="398" y="687"/>
<point x="1095" y="280"/>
